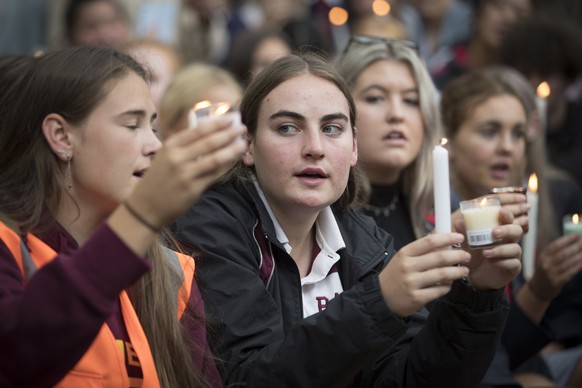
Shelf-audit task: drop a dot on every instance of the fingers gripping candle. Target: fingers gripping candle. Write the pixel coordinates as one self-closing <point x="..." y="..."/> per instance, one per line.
<point x="442" y="190"/>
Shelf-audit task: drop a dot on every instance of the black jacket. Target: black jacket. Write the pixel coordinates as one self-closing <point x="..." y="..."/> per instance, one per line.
<point x="259" y="330"/>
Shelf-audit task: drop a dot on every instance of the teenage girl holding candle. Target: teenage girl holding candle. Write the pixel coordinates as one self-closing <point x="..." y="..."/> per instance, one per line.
<point x="88" y="294"/>
<point x="306" y="292"/>
<point x="488" y="118"/>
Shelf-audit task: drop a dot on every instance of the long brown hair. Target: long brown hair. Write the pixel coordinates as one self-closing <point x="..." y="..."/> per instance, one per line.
<point x="463" y="95"/>
<point x="536" y="160"/>
<point x="281" y="70"/>
<point x="72" y="82"/>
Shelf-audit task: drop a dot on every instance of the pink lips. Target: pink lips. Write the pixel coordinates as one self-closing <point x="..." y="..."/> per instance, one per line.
<point x="394" y="138"/>
<point x="500" y="171"/>
<point x="312" y="176"/>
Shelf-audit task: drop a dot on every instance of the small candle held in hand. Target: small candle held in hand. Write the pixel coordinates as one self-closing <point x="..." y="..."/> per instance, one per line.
<point x="442" y="190"/>
<point x="572" y="224"/>
<point x="481" y="216"/>
<point x="206" y="110"/>
<point x="529" y="239"/>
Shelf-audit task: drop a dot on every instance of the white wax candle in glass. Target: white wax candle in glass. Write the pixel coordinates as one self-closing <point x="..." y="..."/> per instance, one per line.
<point x="442" y="190"/>
<point x="481" y="216"/>
<point x="529" y="239"/>
<point x="572" y="224"/>
<point x="206" y="110"/>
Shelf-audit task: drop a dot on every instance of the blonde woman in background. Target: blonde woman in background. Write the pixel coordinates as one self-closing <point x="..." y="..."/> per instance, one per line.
<point x="398" y="124"/>
<point x="161" y="61"/>
<point x="195" y="83"/>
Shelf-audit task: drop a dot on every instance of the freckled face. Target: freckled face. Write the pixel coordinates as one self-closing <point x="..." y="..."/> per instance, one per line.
<point x="489" y="145"/>
<point x="303" y="147"/>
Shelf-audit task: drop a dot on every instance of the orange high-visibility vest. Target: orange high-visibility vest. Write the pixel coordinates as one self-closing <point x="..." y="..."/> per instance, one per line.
<point x="103" y="364"/>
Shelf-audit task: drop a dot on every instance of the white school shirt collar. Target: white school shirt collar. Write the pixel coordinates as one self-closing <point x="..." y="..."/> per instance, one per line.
<point x="327" y="235"/>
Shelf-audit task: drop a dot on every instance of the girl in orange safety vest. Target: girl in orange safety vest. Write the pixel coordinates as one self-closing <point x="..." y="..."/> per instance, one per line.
<point x="89" y="296"/>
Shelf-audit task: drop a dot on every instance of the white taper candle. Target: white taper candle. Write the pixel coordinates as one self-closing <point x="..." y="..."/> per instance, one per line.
<point x="442" y="190"/>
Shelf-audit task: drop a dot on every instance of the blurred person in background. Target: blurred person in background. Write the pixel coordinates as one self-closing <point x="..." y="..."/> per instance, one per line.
<point x="543" y="49"/>
<point x="436" y="26"/>
<point x="255" y="49"/>
<point x="487" y="115"/>
<point x="161" y="61"/>
<point x="97" y="23"/>
<point x="398" y="124"/>
<point x="203" y="31"/>
<point x="195" y="83"/>
<point x="492" y="20"/>
<point x="379" y="26"/>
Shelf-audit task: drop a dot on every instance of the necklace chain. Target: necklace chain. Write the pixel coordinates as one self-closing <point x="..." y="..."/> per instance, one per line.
<point x="384" y="211"/>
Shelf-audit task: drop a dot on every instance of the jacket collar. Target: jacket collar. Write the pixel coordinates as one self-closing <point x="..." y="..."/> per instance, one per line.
<point x="366" y="244"/>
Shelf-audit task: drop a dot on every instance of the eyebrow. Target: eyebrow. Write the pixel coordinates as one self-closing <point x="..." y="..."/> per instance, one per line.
<point x="286" y="113"/>
<point x="138" y="112"/>
<point x="409" y="90"/>
<point x="297" y="116"/>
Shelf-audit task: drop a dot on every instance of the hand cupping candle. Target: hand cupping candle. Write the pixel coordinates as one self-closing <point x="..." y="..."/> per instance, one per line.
<point x="481" y="216"/>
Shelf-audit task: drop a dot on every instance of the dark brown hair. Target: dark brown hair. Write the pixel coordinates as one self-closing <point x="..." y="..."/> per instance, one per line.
<point x="465" y="93"/>
<point x="284" y="69"/>
<point x="73" y="82"/>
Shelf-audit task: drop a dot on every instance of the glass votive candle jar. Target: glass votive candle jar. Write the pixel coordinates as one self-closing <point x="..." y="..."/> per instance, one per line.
<point x="481" y="216"/>
<point x="572" y="224"/>
<point x="205" y="110"/>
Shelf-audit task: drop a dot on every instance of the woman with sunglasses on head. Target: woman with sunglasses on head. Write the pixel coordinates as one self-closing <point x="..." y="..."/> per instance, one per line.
<point x="304" y="291"/>
<point x="398" y="126"/>
<point x="88" y="294"/>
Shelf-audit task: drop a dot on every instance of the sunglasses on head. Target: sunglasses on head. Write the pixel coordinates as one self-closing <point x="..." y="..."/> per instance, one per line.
<point x="366" y="40"/>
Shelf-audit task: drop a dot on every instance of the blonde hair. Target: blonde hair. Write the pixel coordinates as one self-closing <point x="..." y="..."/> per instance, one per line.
<point x="189" y="86"/>
<point x="417" y="178"/>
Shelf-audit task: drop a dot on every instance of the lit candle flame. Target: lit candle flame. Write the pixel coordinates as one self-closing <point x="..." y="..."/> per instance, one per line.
<point x="202" y="104"/>
<point x="575" y="219"/>
<point x="380" y="7"/>
<point x="532" y="183"/>
<point x="338" y="16"/>
<point x="483" y="202"/>
<point x="444" y="141"/>
<point x="543" y="90"/>
<point x="222" y="109"/>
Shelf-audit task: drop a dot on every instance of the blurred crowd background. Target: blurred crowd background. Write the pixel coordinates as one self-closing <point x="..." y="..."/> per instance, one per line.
<point x="212" y="30"/>
<point x="539" y="38"/>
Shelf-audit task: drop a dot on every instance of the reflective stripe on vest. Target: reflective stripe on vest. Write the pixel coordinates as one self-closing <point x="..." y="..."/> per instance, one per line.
<point x="102" y="365"/>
